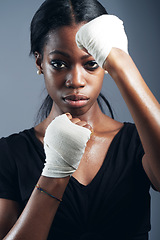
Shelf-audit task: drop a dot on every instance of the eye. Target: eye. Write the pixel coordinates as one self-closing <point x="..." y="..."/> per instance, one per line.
<point x="58" y="64"/>
<point x="91" y="65"/>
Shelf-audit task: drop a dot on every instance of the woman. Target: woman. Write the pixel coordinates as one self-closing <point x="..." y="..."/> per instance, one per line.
<point x="97" y="173"/>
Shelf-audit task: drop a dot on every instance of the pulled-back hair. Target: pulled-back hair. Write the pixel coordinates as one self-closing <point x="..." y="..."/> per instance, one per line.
<point x="54" y="14"/>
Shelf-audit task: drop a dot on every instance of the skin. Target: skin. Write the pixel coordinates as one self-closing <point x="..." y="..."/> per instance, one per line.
<point x="143" y="107"/>
<point x="77" y="76"/>
<point x="75" y="79"/>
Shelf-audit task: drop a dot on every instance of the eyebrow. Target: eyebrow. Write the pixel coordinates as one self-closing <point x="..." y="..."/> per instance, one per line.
<point x="86" y="56"/>
<point x="59" y="52"/>
<point x="66" y="54"/>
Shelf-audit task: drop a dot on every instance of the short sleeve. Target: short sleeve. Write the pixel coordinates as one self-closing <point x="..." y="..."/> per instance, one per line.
<point x="140" y="151"/>
<point x="8" y="173"/>
<point x="139" y="155"/>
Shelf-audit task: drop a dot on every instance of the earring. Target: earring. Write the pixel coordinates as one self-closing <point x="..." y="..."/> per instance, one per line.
<point x="39" y="72"/>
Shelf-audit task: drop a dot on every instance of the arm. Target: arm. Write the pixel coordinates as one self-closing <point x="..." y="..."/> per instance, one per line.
<point x="109" y="47"/>
<point x="143" y="107"/>
<point x="35" y="221"/>
<point x="9" y="213"/>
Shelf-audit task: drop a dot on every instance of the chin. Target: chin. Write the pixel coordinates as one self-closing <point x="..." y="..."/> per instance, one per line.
<point x="77" y="112"/>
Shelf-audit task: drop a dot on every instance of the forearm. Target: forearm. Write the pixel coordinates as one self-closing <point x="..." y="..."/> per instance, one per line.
<point x="141" y="103"/>
<point x="36" y="219"/>
<point x="60" y="163"/>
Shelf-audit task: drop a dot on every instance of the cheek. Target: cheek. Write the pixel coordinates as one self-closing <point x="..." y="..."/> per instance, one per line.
<point x="53" y="81"/>
<point x="54" y="86"/>
<point x="97" y="82"/>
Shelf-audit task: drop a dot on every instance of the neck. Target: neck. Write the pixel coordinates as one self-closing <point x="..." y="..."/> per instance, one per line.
<point x="93" y="116"/>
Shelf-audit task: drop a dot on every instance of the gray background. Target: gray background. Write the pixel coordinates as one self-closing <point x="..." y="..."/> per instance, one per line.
<point x="21" y="89"/>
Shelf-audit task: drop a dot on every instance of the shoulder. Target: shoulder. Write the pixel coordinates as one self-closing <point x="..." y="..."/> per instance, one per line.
<point x="10" y="148"/>
<point x="16" y="139"/>
<point x="125" y="128"/>
<point x="21" y="155"/>
<point x="129" y="136"/>
<point x="126" y="138"/>
<point x="17" y="146"/>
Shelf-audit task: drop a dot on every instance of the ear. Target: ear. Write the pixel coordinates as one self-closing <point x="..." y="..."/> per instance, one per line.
<point x="38" y="58"/>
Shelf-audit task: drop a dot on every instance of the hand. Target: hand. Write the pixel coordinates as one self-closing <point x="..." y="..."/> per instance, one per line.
<point x="100" y="35"/>
<point x="64" y="143"/>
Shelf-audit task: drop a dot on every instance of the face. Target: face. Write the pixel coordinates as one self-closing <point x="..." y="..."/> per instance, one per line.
<point x="73" y="79"/>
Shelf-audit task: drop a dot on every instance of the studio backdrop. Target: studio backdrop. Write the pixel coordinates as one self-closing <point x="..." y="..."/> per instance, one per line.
<point x="22" y="90"/>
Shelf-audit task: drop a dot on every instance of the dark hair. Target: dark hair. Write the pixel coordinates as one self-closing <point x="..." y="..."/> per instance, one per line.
<point x="54" y="14"/>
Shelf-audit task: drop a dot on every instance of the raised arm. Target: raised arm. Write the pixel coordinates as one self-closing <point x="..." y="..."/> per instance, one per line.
<point x="143" y="107"/>
<point x="105" y="39"/>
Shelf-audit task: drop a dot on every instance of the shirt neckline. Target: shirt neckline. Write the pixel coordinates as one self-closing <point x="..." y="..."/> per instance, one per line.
<point x="103" y="164"/>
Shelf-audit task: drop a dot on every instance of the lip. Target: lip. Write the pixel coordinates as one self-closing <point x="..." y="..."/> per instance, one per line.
<point x="76" y="100"/>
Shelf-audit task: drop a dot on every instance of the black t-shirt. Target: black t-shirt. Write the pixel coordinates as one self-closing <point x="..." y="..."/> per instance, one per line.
<point x="115" y="205"/>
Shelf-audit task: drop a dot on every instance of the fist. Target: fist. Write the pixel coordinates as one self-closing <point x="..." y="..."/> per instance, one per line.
<point x="64" y="144"/>
<point x="100" y="35"/>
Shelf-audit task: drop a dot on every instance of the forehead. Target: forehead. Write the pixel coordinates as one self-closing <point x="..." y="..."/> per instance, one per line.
<point x="62" y="38"/>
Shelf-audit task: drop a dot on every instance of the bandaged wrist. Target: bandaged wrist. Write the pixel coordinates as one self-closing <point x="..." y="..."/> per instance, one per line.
<point x="64" y="145"/>
<point x="100" y="35"/>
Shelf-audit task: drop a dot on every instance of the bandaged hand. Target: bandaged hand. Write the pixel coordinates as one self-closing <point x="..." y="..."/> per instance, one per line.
<point x="64" y="145"/>
<point x="100" y="35"/>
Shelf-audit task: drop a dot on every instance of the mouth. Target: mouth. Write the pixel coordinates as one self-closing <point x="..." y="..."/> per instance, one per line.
<point x="76" y="100"/>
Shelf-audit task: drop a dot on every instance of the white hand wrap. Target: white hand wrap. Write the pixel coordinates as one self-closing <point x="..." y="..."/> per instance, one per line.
<point x="100" y="35"/>
<point x="64" y="145"/>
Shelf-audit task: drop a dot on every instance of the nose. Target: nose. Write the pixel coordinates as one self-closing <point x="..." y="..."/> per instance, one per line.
<point x="75" y="78"/>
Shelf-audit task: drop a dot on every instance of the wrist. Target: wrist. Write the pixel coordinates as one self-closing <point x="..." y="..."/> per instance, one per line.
<point x="116" y="62"/>
<point x="55" y="186"/>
